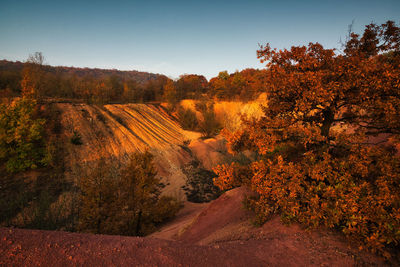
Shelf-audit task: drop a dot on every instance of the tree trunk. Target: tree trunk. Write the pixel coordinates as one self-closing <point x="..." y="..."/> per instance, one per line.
<point x="138" y="222"/>
<point x="329" y="117"/>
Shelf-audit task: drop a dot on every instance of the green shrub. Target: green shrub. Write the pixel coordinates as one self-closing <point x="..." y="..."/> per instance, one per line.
<point x="76" y="138"/>
<point x="22" y="144"/>
<point x="199" y="185"/>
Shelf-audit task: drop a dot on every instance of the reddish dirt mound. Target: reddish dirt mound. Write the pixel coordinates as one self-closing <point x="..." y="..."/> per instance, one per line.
<point x="20" y="247"/>
<point x="116" y="131"/>
<point x="49" y="248"/>
<point x="223" y="212"/>
<point x="222" y="227"/>
<point x="173" y="229"/>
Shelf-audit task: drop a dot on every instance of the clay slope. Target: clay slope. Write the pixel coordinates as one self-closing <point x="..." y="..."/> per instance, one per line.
<point x="116" y="131"/>
<point x="119" y="129"/>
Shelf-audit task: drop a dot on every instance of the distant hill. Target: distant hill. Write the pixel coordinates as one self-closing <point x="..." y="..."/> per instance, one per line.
<point x="138" y="76"/>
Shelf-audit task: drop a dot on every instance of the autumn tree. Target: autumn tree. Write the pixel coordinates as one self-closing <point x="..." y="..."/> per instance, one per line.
<point x="41" y="80"/>
<point x="220" y="85"/>
<point x="22" y="144"/>
<point x="328" y="138"/>
<point x="209" y="125"/>
<point x="153" y="90"/>
<point x="115" y="88"/>
<point x="131" y="91"/>
<point x="32" y="76"/>
<point x="191" y="86"/>
<point x="253" y="84"/>
<point x="144" y="208"/>
<point x="10" y="83"/>
<point x="171" y="94"/>
<point x="244" y="85"/>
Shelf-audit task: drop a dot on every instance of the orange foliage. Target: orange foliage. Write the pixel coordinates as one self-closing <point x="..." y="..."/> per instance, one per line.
<point x="191" y="86"/>
<point x="318" y="164"/>
<point x="243" y="85"/>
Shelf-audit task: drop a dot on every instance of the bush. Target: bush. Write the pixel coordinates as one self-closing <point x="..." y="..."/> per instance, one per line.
<point x="187" y="119"/>
<point x="209" y="126"/>
<point x="359" y="195"/>
<point x="76" y="138"/>
<point x="199" y="185"/>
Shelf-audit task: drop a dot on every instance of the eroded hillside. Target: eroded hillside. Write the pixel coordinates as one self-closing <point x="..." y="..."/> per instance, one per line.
<point x="115" y="131"/>
<point x="118" y="130"/>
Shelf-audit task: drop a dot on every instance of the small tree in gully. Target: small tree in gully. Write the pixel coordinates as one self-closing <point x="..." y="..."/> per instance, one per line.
<point x="142" y="206"/>
<point x="328" y="138"/>
<point x="124" y="201"/>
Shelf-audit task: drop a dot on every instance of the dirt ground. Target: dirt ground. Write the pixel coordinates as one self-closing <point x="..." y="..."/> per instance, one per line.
<point x="215" y="234"/>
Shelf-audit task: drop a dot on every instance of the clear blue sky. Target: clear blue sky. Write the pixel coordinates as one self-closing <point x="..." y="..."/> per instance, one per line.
<point x="176" y="37"/>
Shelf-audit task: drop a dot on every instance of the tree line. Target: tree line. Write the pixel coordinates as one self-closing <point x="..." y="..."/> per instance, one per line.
<point x="112" y="86"/>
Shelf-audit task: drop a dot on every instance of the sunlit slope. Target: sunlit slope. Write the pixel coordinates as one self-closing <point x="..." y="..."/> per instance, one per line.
<point x="116" y="131"/>
<point x="120" y="129"/>
<point x="147" y="126"/>
<point x="230" y="113"/>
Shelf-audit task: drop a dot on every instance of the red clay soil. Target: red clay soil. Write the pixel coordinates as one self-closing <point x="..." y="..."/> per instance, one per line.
<point x="19" y="247"/>
<point x="224" y="212"/>
<point x="184" y="218"/>
<point x="219" y="234"/>
<point x="225" y="221"/>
